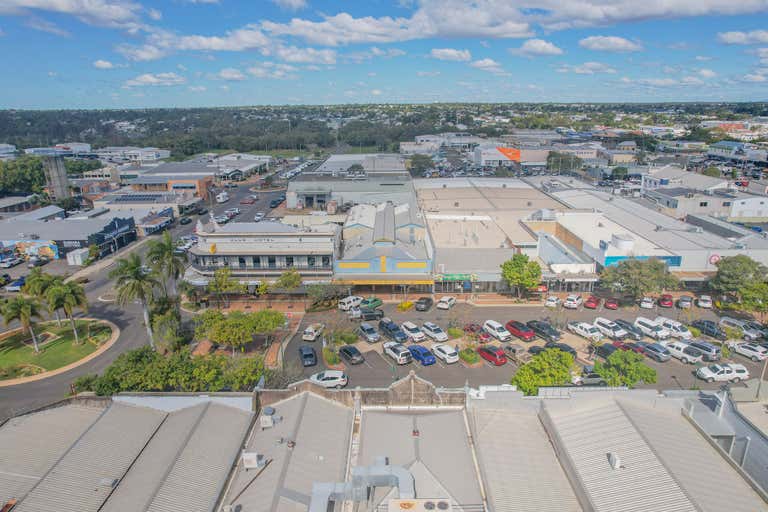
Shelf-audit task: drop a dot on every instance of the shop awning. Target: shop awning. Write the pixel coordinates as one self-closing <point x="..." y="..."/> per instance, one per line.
<point x="384" y="279"/>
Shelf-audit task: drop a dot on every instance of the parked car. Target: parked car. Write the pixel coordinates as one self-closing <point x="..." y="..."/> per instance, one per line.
<point x="544" y="330"/>
<point x="585" y="330"/>
<point x="651" y="328"/>
<point x="520" y="330"/>
<point x="684" y="352"/>
<point x="17" y="285"/>
<point x="572" y="302"/>
<point x="666" y="301"/>
<point x="221" y="219"/>
<point x="757" y="327"/>
<point x="685" y="302"/>
<point x="275" y="203"/>
<point x="748" y="333"/>
<point x="202" y="211"/>
<point x="635" y="346"/>
<point x="371" y="303"/>
<point x="647" y="303"/>
<point x="447" y="353"/>
<point x="610" y="329"/>
<point x="592" y="302"/>
<point x="588" y="377"/>
<point x="612" y="303"/>
<point x="36" y="261"/>
<point x="5" y="279"/>
<point x="752" y="351"/>
<point x="391" y="330"/>
<point x="422" y="355"/>
<point x="605" y="350"/>
<point x="492" y="354"/>
<point x="185" y="220"/>
<point x="517" y="354"/>
<point x="397" y="352"/>
<point x="632" y="331"/>
<point x="723" y="373"/>
<point x="351" y="354"/>
<point x="371" y="314"/>
<point x="657" y="352"/>
<point x="368" y="332"/>
<point x="330" y="379"/>
<point x="562" y="347"/>
<point x="423" y="304"/>
<point x="709" y="351"/>
<point x="446" y="302"/>
<point x="434" y="331"/>
<point x="536" y="349"/>
<point x="710" y="328"/>
<point x="552" y="301"/>
<point x="247" y="200"/>
<point x="232" y="212"/>
<point x="675" y="328"/>
<point x="10" y="262"/>
<point x="308" y="356"/>
<point x="413" y="332"/>
<point x="704" y="302"/>
<point x="259" y="216"/>
<point x="350" y="302"/>
<point x="312" y="332"/>
<point x="496" y="330"/>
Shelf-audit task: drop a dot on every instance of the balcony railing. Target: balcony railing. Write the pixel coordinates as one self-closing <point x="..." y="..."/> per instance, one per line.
<point x="235" y="268"/>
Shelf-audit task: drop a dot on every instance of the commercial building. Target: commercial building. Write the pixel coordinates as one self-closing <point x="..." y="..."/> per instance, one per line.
<point x="68" y="149"/>
<point x="189" y="185"/>
<point x="7" y="151"/>
<point x="737" y="151"/>
<point x="50" y="212"/>
<point x="260" y="251"/>
<point x="137" y="204"/>
<point x="131" y="154"/>
<point x="453" y="140"/>
<point x="56" y="181"/>
<point x="673" y="176"/>
<point x="372" y="164"/>
<point x="317" y="192"/>
<point x="17" y="204"/>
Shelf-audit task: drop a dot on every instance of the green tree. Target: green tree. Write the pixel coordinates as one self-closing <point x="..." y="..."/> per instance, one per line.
<point x="69" y="297"/>
<point x="167" y="329"/>
<point x="323" y="292"/>
<point x="235" y="331"/>
<point x="420" y="164"/>
<point x="625" y="368"/>
<point x="25" y="310"/>
<point x="549" y="368"/>
<point x="754" y="298"/>
<point x="289" y="280"/>
<point x="521" y="273"/>
<point x="206" y="321"/>
<point x="637" y="278"/>
<point x="735" y="273"/>
<point x="355" y="169"/>
<point x="163" y="259"/>
<point x="37" y="283"/>
<point x="619" y="173"/>
<point x="267" y="321"/>
<point x="712" y="172"/>
<point x="223" y="284"/>
<point x="133" y="281"/>
<point x="557" y="161"/>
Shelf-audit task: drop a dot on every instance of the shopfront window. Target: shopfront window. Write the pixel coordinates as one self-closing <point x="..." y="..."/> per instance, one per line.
<point x="271" y="262"/>
<point x="289" y="261"/>
<point x="311" y="261"/>
<point x="326" y="261"/>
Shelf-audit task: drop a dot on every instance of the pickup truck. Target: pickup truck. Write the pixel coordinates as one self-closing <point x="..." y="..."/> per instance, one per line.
<point x="585" y="330"/>
<point x="312" y="332"/>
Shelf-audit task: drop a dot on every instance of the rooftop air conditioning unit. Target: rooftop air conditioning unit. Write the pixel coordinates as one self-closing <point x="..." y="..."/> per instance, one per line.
<point x="420" y="505"/>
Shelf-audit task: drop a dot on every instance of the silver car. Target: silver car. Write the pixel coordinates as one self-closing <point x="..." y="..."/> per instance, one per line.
<point x="368" y="333"/>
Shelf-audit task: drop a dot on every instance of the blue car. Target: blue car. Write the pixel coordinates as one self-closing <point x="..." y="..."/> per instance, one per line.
<point x="16" y="285"/>
<point x="422" y="355"/>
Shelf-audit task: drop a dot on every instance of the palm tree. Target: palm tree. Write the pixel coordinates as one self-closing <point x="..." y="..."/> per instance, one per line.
<point x="164" y="260"/>
<point x="135" y="282"/>
<point x="37" y="283"/>
<point x="23" y="309"/>
<point x="67" y="296"/>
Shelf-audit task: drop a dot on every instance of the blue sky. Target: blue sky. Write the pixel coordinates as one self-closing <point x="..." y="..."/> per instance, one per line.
<point x="180" y="53"/>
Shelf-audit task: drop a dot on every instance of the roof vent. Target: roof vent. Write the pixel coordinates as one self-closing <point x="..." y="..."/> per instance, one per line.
<point x="253" y="460"/>
<point x="614" y="461"/>
<point x="108" y="482"/>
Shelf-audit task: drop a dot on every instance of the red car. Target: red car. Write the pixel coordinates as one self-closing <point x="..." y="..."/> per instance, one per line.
<point x="592" y="302"/>
<point x="247" y="200"/>
<point x="520" y="330"/>
<point x="493" y="355"/>
<point x="611" y="303"/>
<point x="666" y="301"/>
<point x="476" y="331"/>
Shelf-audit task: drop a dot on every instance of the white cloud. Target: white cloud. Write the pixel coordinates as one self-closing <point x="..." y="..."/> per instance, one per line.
<point x="103" y="64"/>
<point x="290" y="5"/>
<point x="46" y="26"/>
<point x="703" y="58"/>
<point x="230" y="74"/>
<point x="427" y="73"/>
<point x="762" y="54"/>
<point x="450" y="54"/>
<point x="154" y="14"/>
<point x="755" y="78"/>
<point x="273" y="70"/>
<point x="123" y="14"/>
<point x="753" y="37"/>
<point x="609" y="44"/>
<point x="197" y="88"/>
<point x="686" y="81"/>
<point x="488" y="65"/>
<point x="707" y="73"/>
<point x="536" y="47"/>
<point x="157" y="79"/>
<point x="304" y="55"/>
<point x="588" y="68"/>
<point x="372" y="52"/>
<point x="375" y="92"/>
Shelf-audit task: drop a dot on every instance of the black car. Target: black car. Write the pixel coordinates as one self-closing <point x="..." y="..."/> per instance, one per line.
<point x="634" y="332"/>
<point x="275" y="203"/>
<point x="536" y="349"/>
<point x="561" y="346"/>
<point x="371" y="314"/>
<point x="606" y="349"/>
<point x="351" y="354"/>
<point x="202" y="211"/>
<point x="710" y="328"/>
<point x="544" y="330"/>
<point x="424" y="304"/>
<point x="392" y="331"/>
<point x="308" y="356"/>
<point x="184" y="221"/>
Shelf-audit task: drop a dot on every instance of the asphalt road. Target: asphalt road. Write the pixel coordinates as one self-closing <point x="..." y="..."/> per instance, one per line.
<point x="17" y="399"/>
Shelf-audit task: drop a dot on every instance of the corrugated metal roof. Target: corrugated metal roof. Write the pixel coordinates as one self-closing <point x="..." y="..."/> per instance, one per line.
<point x="103" y="453"/>
<point x="30" y="445"/>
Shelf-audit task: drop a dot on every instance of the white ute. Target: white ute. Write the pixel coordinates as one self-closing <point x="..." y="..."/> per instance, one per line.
<point x="312" y="332"/>
<point x="585" y="330"/>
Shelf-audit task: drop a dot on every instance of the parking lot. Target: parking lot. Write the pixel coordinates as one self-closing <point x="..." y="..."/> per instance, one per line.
<point x="379" y="369"/>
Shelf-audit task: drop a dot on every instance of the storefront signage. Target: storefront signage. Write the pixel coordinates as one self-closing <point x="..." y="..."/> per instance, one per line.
<point x="455" y="277"/>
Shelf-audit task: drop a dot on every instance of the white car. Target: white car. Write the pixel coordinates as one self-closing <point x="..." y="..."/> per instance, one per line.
<point x="312" y="332"/>
<point x="552" y="302"/>
<point x="651" y="328"/>
<point x="10" y="262"/>
<point x="434" y="331"/>
<point x="610" y="329"/>
<point x="684" y="352"/>
<point x="676" y="329"/>
<point x="496" y="330"/>
<point x="648" y="303"/>
<point x="258" y="217"/>
<point x="572" y="302"/>
<point x="751" y="350"/>
<point x="350" y="302"/>
<point x="398" y="352"/>
<point x="447" y="353"/>
<point x="232" y="212"/>
<point x="330" y="379"/>
<point x="723" y="373"/>
<point x="704" y="301"/>
<point x="413" y="332"/>
<point x="585" y="330"/>
<point x="446" y="303"/>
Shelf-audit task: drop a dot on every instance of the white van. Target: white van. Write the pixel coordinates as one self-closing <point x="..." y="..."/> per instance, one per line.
<point x="684" y="352"/>
<point x="676" y="329"/>
<point x="222" y="197"/>
<point x="350" y="302"/>
<point x="496" y="330"/>
<point x="651" y="328"/>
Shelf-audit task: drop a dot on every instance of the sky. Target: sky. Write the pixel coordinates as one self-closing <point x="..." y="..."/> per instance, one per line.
<point x="190" y="53"/>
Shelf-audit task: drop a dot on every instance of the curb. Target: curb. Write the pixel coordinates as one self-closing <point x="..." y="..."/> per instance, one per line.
<point x="96" y="353"/>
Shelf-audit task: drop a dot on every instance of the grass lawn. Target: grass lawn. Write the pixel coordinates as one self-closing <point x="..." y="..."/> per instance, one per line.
<point x="18" y="359"/>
